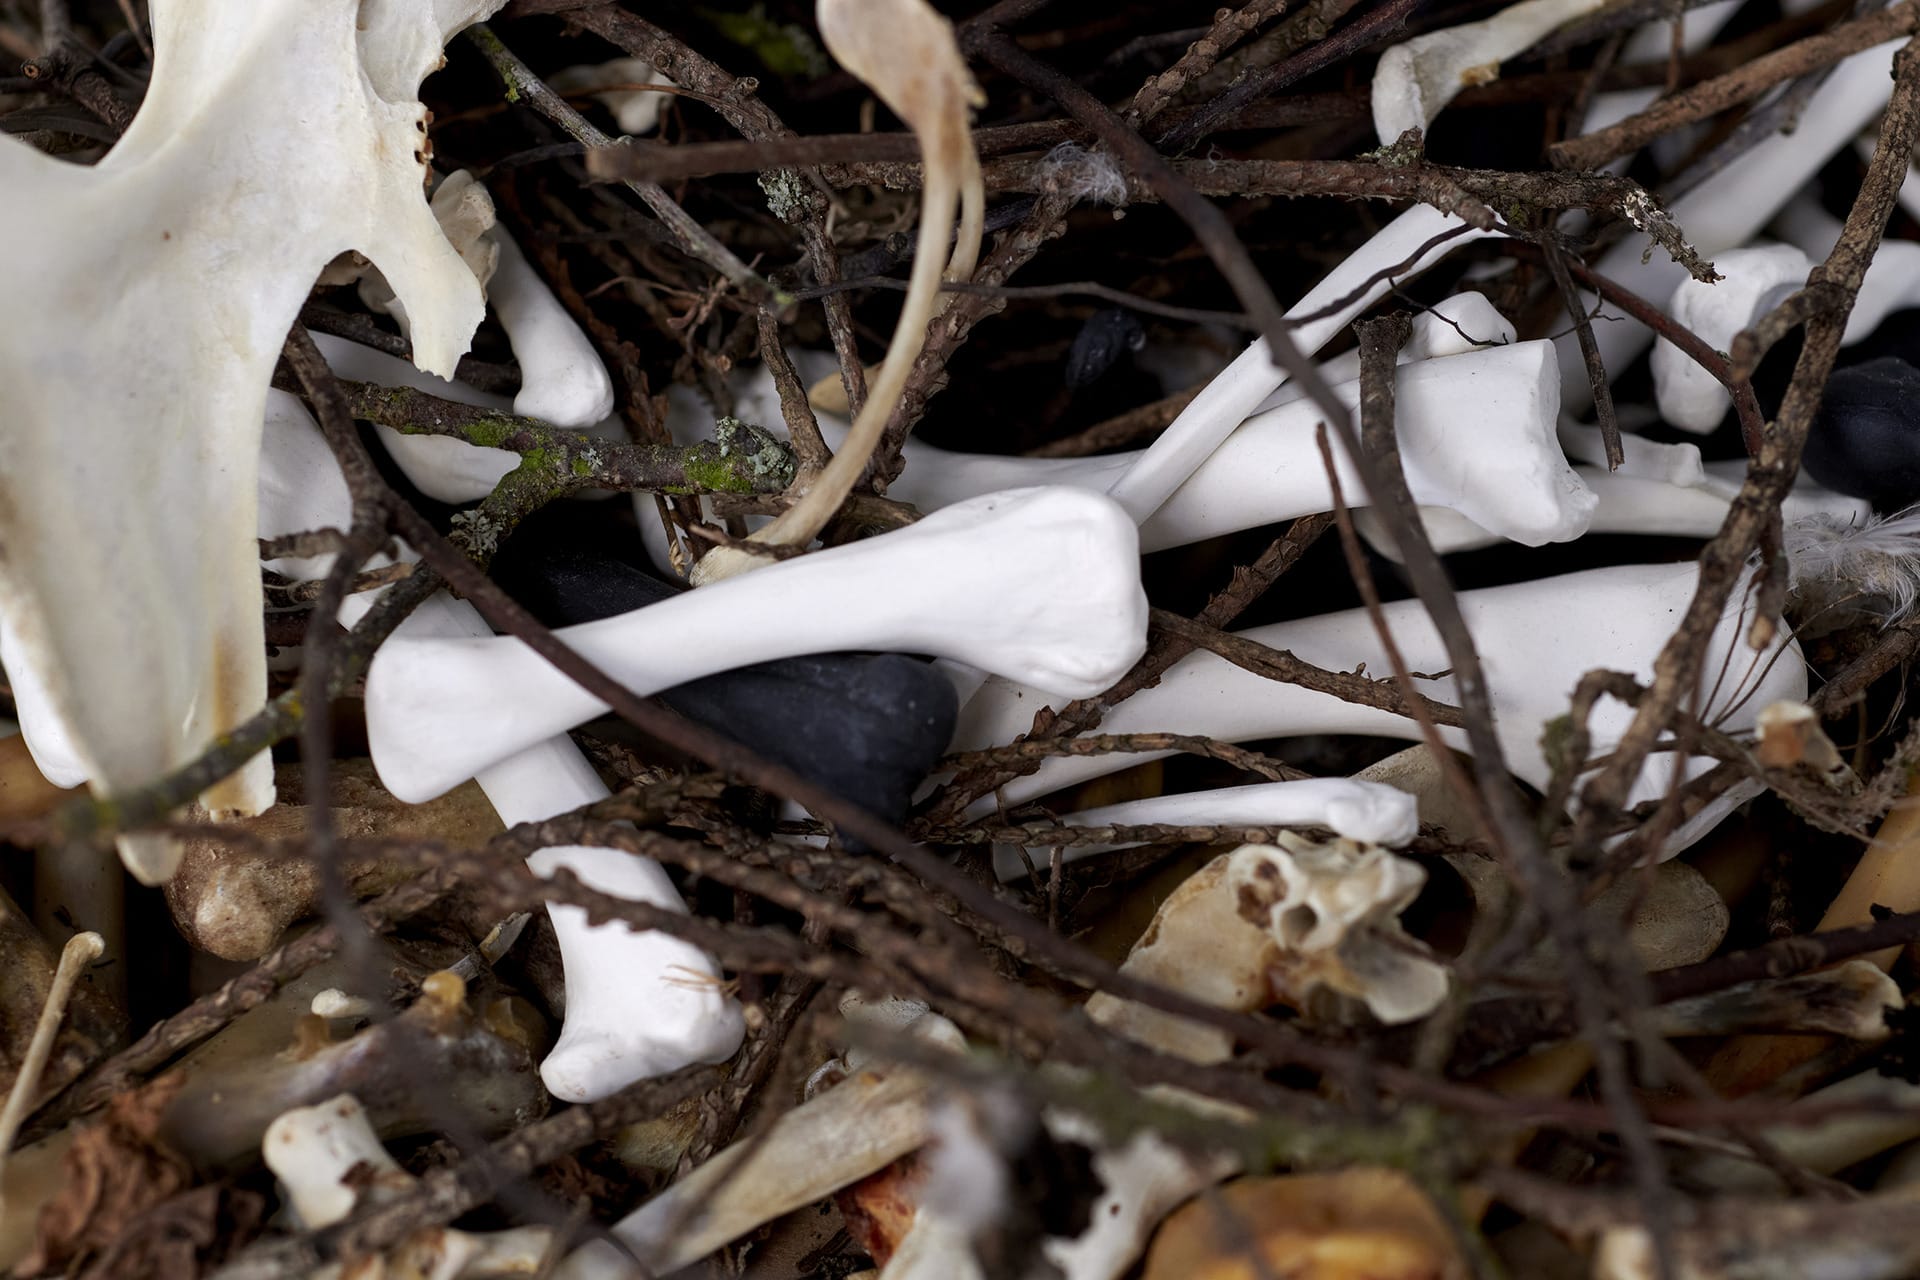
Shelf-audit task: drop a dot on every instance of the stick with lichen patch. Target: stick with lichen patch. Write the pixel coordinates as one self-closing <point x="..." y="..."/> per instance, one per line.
<point x="906" y="53"/>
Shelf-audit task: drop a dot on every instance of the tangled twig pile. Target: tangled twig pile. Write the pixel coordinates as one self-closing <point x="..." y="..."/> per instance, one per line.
<point x="589" y="925"/>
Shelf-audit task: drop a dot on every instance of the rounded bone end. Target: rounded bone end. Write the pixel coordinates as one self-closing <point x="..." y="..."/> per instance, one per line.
<point x="592" y="1062"/>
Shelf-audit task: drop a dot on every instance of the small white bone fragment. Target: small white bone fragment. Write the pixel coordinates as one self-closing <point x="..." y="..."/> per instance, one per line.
<point x="1072" y="621"/>
<point x="1731" y="209"/>
<point x="1689" y="397"/>
<point x="1536" y="640"/>
<point x="1334" y="909"/>
<point x="81" y="950"/>
<point x="1142" y="1180"/>
<point x="639" y="1003"/>
<point x="1418" y="77"/>
<point x="1269" y="924"/>
<point x="611" y="83"/>
<point x="328" y="1158"/>
<point x="1242" y="386"/>
<point x="1363" y="811"/>
<point x="146" y="630"/>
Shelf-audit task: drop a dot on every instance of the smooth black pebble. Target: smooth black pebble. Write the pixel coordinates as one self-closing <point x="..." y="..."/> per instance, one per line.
<point x="867" y="727"/>
<point x="1865" y="440"/>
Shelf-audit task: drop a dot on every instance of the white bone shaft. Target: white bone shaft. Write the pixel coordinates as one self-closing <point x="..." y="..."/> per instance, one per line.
<point x="1535" y="640"/>
<point x="1500" y="466"/>
<point x="1231" y="397"/>
<point x="1072" y="615"/>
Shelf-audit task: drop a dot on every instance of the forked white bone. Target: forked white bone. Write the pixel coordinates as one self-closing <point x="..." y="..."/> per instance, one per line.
<point x="146" y="629"/>
<point x="1536" y="639"/>
<point x="1039" y="584"/>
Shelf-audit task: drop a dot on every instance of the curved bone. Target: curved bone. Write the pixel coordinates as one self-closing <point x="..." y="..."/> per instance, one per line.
<point x="146" y="629"/>
<point x="1073" y="622"/>
<point x="1458" y="323"/>
<point x="1368" y="812"/>
<point x="562" y="379"/>
<point x="1536" y="639"/>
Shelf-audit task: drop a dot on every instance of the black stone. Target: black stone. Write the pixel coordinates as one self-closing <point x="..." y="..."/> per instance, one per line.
<point x="1102" y="340"/>
<point x="867" y="727"/>
<point x="1865" y="440"/>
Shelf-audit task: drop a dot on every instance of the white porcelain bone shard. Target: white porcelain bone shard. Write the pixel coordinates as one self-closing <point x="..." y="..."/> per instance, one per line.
<point x="1418" y="77"/>
<point x="154" y="331"/>
<point x="1223" y="404"/>
<point x="1363" y="811"/>
<point x="1070" y="617"/>
<point x="639" y="1003"/>
<point x="1536" y="640"/>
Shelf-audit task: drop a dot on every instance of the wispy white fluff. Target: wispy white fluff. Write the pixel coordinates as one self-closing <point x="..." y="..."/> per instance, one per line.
<point x="1869" y="567"/>
<point x="1072" y="170"/>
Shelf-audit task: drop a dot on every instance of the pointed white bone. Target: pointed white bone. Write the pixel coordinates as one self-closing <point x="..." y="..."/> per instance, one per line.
<point x="1458" y="323"/>
<point x="1500" y="466"/>
<point x="639" y="1003"/>
<point x="146" y="629"/>
<point x="1364" y="811"/>
<point x="1729" y="210"/>
<point x="1072" y="620"/>
<point x="1240" y="388"/>
<point x="1536" y="640"/>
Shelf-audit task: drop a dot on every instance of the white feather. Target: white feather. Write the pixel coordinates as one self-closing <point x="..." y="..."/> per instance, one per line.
<point x="1872" y="567"/>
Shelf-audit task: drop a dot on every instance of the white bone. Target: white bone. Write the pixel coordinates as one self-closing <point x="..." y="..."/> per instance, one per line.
<point x="1242" y="386"/>
<point x="1500" y="466"/>
<point x="834" y="1138"/>
<point x="1418" y="77"/>
<point x="1363" y="811"/>
<point x="1635" y="505"/>
<point x="328" y="1158"/>
<point x="146" y="629"/>
<point x="1142" y="1181"/>
<point x="639" y="1003"/>
<point x="1536" y="639"/>
<point x="1729" y="210"/>
<point x="1071" y="620"/>
<point x="562" y="379"/>
<point x="1456" y="324"/>
<point x="1689" y="397"/>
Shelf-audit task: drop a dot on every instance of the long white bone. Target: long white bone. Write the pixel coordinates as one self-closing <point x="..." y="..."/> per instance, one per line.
<point x="1499" y="466"/>
<point x="1073" y="620"/>
<point x="274" y="136"/>
<point x="639" y="1003"/>
<point x="1242" y="386"/>
<point x="1635" y="504"/>
<point x="1536" y="639"/>
<point x="1367" y="812"/>
<point x="1728" y="211"/>
<point x="1459" y="324"/>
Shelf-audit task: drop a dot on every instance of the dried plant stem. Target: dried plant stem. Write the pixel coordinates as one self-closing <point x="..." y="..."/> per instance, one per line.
<point x="82" y="949"/>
